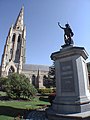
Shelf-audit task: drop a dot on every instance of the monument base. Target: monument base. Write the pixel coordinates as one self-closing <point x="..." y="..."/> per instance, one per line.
<point x="72" y="101"/>
<point x="52" y="115"/>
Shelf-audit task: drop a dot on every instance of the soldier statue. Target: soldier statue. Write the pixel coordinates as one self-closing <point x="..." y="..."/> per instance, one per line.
<point x="68" y="34"/>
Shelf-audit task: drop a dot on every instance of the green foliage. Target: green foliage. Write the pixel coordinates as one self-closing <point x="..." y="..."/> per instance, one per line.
<point x="2" y="83"/>
<point x="18" y="85"/>
<point x="51" y="74"/>
<point x="46" y="90"/>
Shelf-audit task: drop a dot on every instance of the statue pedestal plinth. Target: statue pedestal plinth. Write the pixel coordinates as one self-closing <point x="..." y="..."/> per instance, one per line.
<point x="72" y="93"/>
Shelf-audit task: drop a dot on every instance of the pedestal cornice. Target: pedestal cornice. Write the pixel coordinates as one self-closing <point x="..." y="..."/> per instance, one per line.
<point x="69" y="51"/>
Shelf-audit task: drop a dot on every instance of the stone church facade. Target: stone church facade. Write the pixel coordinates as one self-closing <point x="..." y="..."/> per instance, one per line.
<point x="13" y="58"/>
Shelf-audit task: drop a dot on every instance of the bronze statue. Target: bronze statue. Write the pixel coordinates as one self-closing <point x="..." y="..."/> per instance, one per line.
<point x="68" y="34"/>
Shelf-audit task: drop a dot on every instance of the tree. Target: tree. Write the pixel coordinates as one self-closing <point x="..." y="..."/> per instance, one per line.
<point x="2" y="83"/>
<point x="18" y="85"/>
<point x="51" y="74"/>
<point x="50" y="80"/>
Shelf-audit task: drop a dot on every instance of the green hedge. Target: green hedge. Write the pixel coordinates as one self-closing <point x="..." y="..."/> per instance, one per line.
<point x="46" y="90"/>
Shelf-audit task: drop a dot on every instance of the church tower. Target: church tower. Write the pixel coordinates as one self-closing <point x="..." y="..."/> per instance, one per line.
<point x="14" y="50"/>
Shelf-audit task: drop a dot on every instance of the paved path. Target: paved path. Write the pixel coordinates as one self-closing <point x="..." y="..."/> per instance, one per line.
<point x="37" y="115"/>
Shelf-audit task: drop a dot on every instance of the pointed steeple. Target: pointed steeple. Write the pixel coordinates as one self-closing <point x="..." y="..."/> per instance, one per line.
<point x="20" y="22"/>
<point x="37" y="81"/>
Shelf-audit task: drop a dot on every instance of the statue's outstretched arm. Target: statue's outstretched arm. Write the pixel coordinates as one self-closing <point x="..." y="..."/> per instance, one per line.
<point x="60" y="26"/>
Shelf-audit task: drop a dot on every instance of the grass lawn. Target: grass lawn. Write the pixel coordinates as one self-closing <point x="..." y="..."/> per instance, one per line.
<point x="13" y="108"/>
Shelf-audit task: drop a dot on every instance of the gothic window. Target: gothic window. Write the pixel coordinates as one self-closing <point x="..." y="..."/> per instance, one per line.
<point x="13" y="38"/>
<point x="11" y="70"/>
<point x="9" y="60"/>
<point x="17" y="27"/>
<point x="19" y="38"/>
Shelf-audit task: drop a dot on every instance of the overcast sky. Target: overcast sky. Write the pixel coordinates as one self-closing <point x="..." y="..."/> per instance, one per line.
<point x="43" y="34"/>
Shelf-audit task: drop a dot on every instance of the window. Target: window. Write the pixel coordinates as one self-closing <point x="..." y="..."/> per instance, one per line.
<point x="17" y="27"/>
<point x="19" y="38"/>
<point x="11" y="70"/>
<point x="13" y="38"/>
<point x="9" y="60"/>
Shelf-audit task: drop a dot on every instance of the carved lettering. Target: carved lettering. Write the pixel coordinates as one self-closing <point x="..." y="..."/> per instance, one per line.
<point x="67" y="79"/>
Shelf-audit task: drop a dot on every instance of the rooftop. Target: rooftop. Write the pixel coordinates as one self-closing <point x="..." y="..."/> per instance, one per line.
<point x="35" y="67"/>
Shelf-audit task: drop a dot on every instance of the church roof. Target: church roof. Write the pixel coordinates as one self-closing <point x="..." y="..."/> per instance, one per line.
<point x="32" y="67"/>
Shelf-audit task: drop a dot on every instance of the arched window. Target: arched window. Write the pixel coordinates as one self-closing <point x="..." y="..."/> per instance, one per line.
<point x="11" y="70"/>
<point x="19" y="38"/>
<point x="17" y="27"/>
<point x="13" y="38"/>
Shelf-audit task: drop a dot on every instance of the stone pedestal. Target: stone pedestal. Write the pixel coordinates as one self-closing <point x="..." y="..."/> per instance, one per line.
<point x="72" y="93"/>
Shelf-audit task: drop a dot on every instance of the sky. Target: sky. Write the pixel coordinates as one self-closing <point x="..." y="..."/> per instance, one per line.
<point x="43" y="36"/>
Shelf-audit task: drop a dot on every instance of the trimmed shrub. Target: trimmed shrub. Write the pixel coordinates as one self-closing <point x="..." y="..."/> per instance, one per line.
<point x="46" y="90"/>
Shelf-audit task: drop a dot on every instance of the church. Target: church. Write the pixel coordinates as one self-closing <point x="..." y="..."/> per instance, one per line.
<point x="13" y="57"/>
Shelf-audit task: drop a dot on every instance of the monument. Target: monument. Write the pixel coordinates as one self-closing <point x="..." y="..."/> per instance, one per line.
<point x="72" y="101"/>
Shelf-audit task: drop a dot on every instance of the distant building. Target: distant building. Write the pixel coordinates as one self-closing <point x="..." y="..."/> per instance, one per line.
<point x="13" y="58"/>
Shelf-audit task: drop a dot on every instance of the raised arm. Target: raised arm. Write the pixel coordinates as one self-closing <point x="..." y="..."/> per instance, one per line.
<point x="60" y="26"/>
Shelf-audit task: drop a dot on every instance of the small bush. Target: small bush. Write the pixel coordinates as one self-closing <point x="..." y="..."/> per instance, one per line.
<point x="46" y="90"/>
<point x="18" y="85"/>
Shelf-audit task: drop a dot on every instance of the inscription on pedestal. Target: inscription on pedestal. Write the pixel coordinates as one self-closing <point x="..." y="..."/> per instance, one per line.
<point x="67" y="78"/>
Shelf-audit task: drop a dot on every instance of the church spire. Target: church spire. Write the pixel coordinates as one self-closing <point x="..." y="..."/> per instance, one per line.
<point x="14" y="50"/>
<point x="20" y="22"/>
